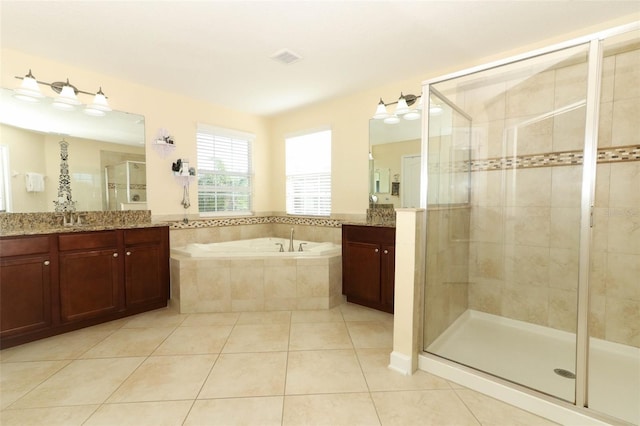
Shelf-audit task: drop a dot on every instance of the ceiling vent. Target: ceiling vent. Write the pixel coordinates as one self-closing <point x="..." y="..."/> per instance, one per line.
<point x="286" y="56"/>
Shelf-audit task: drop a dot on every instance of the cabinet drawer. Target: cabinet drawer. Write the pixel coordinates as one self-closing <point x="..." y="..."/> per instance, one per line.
<point x="369" y="234"/>
<point x="24" y="245"/>
<point x="143" y="236"/>
<point x="90" y="240"/>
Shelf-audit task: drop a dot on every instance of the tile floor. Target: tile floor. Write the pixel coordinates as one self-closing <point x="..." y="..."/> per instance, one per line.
<point x="272" y="368"/>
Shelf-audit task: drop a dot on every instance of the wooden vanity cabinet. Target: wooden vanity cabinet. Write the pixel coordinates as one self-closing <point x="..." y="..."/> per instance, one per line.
<point x="146" y="266"/>
<point x="368" y="265"/>
<point x="27" y="271"/>
<point x="54" y="283"/>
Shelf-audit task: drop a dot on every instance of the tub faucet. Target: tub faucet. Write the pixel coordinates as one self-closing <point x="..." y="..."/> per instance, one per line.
<point x="291" y="241"/>
<point x="281" y="248"/>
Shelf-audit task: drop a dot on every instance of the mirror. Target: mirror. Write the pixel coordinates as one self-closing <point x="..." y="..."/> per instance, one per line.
<point x="29" y="146"/>
<point x="395" y="162"/>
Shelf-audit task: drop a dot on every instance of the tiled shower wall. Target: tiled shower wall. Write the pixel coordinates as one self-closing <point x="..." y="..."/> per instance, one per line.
<point x="525" y="206"/>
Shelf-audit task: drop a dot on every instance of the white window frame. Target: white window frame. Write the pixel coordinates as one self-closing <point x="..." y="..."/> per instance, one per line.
<point x="308" y="181"/>
<point x="5" y="180"/>
<point x="224" y="135"/>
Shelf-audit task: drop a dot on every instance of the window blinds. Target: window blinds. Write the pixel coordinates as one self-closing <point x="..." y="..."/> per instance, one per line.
<point x="224" y="171"/>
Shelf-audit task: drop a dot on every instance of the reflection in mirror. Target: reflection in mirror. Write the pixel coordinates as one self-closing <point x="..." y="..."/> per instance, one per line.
<point x="30" y="134"/>
<point x="396" y="150"/>
<point x="380" y="181"/>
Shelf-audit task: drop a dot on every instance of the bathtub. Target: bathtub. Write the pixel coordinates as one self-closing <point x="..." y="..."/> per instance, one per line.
<point x="253" y="275"/>
<point x="265" y="247"/>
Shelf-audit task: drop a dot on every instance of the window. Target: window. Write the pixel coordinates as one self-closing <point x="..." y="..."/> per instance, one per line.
<point x="308" y="170"/>
<point x="224" y="170"/>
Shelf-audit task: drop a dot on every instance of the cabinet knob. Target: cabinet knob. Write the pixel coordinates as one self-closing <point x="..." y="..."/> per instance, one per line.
<point x="377" y="250"/>
<point x="128" y="253"/>
<point x="115" y="254"/>
<point x="46" y="263"/>
<point x="386" y="252"/>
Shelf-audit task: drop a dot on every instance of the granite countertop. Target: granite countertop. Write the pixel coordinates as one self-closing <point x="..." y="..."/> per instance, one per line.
<point x="76" y="228"/>
<point x="371" y="223"/>
<point x="15" y="224"/>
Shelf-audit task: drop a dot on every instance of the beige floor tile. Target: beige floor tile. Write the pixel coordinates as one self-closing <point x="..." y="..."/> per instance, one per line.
<point x="258" y="338"/>
<point x="348" y="409"/>
<point x="86" y="381"/>
<point x="371" y="334"/>
<point x="327" y="335"/>
<point x="491" y="412"/>
<point x="265" y="411"/>
<point x="226" y="318"/>
<point x="431" y="407"/>
<point x="330" y="371"/>
<point x="18" y="378"/>
<point x="379" y="377"/>
<point x="352" y="312"/>
<point x="162" y="378"/>
<point x="65" y="346"/>
<point x="195" y="340"/>
<point x="53" y="416"/>
<point x="166" y="317"/>
<point x="129" y="342"/>
<point x="275" y="317"/>
<point x="158" y="413"/>
<point x="251" y="374"/>
<point x="323" y="315"/>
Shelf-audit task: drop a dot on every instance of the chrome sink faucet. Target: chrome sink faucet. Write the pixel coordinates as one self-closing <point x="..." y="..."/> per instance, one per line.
<point x="291" y="241"/>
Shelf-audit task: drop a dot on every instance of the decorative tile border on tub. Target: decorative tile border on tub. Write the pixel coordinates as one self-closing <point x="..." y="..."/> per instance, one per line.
<point x="257" y="220"/>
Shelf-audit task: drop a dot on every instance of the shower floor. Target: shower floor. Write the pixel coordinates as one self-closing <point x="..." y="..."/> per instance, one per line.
<point x="528" y="354"/>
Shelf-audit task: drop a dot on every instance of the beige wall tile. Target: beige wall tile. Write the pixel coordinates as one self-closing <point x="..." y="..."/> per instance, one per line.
<point x="624" y="231"/>
<point x="527" y="226"/>
<point x="532" y="96"/>
<point x="627" y="77"/>
<point x="528" y="187"/>
<point x="527" y="265"/>
<point x="563" y="309"/>
<point x="526" y="303"/>
<point x="623" y="321"/>
<point x="563" y="268"/>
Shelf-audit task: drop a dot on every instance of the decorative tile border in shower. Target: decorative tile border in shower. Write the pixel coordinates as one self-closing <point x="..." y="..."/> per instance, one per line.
<point x="569" y="158"/>
<point x="257" y="220"/>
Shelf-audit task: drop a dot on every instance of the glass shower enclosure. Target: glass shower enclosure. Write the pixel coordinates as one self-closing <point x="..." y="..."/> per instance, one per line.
<point x="533" y="223"/>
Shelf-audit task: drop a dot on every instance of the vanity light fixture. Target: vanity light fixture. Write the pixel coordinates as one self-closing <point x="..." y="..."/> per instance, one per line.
<point x="67" y="98"/>
<point x="403" y="109"/>
<point x="29" y="90"/>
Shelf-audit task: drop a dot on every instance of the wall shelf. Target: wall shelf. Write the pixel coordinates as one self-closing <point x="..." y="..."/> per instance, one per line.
<point x="162" y="148"/>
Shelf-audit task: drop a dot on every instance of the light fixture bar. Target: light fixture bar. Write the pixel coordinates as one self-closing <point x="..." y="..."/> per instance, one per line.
<point x="67" y="95"/>
<point x="57" y="86"/>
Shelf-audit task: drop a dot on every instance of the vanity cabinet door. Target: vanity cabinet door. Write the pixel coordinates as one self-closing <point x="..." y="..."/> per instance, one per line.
<point x="362" y="272"/>
<point x="146" y="267"/>
<point x="25" y="286"/>
<point x="89" y="278"/>
<point x="368" y="266"/>
<point x="387" y="276"/>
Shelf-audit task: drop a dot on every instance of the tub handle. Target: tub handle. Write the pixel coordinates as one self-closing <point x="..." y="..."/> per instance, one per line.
<point x="300" y="248"/>
<point x="281" y="247"/>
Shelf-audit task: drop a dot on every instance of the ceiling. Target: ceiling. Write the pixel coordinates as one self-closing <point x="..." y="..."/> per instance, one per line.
<point x="220" y="51"/>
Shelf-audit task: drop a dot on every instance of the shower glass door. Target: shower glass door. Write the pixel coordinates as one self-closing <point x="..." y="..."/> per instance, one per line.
<point x="503" y="261"/>
<point x="614" y="278"/>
